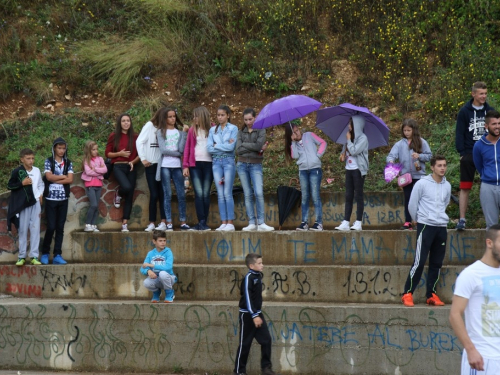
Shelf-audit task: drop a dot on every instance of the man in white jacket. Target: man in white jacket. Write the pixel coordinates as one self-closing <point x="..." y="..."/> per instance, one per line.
<point x="427" y="207"/>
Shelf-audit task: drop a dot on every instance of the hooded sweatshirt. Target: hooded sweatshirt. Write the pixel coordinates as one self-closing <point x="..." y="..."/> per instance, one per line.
<point x="470" y="127"/>
<point x="308" y="151"/>
<point x="54" y="191"/>
<point x="359" y="148"/>
<point x="487" y="161"/>
<point x="163" y="261"/>
<point x="429" y="200"/>
<point x="400" y="151"/>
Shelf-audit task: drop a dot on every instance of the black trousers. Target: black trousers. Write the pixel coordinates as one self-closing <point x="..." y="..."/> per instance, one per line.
<point x="354" y="183"/>
<point x="407" y="192"/>
<point x="431" y="241"/>
<point x="55" y="215"/>
<point x="126" y="179"/>
<point x="248" y="332"/>
<point x="155" y="193"/>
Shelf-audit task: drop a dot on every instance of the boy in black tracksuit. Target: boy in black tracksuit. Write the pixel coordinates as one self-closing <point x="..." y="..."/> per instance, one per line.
<point x="252" y="322"/>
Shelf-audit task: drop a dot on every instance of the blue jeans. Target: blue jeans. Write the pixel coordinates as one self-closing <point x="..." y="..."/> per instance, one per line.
<point x="176" y="175"/>
<point x="253" y="185"/>
<point x="310" y="182"/>
<point x="202" y="177"/>
<point x="224" y="168"/>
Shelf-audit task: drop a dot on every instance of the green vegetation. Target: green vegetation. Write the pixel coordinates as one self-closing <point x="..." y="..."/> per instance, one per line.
<point x="406" y="57"/>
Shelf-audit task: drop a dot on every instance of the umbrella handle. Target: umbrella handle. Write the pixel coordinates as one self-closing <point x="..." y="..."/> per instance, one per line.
<point x="294" y="181"/>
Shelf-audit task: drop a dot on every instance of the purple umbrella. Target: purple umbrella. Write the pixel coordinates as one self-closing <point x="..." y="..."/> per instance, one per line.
<point x="334" y="121"/>
<point x="284" y="110"/>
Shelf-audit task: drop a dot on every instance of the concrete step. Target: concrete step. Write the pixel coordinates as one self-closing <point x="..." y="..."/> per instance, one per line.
<point x="394" y="247"/>
<point x="202" y="337"/>
<point x="329" y="284"/>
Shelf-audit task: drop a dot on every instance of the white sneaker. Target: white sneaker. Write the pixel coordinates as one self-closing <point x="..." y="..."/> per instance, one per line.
<point x="124" y="228"/>
<point x="228" y="228"/>
<point x="265" y="227"/>
<point x="250" y="227"/>
<point x="221" y="227"/>
<point x="343" y="226"/>
<point x="88" y="228"/>
<point x="150" y="228"/>
<point x="95" y="228"/>
<point x="161" y="226"/>
<point x="356" y="225"/>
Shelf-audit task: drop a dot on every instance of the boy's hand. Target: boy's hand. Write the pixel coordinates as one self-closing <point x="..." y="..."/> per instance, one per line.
<point x="257" y="321"/>
<point x="27" y="181"/>
<point x="146" y="265"/>
<point x="152" y="275"/>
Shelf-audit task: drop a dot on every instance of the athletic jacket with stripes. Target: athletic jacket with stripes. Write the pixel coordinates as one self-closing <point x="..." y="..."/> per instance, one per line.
<point x="251" y="293"/>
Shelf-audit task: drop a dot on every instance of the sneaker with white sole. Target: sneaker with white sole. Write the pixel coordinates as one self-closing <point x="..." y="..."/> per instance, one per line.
<point x="150" y="228"/>
<point x="265" y="227"/>
<point x="95" y="228"/>
<point x="302" y="227"/>
<point x="317" y="227"/>
<point x="343" y="226"/>
<point x="117" y="201"/>
<point x="222" y="226"/>
<point x="250" y="227"/>
<point x="161" y="226"/>
<point x="185" y="227"/>
<point x="124" y="228"/>
<point x="356" y="225"/>
<point x="169" y="227"/>
<point x="88" y="228"/>
<point x="228" y="228"/>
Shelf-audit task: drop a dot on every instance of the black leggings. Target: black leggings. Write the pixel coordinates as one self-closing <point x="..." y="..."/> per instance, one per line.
<point x="354" y="183"/>
<point x="126" y="179"/>
<point x="407" y="191"/>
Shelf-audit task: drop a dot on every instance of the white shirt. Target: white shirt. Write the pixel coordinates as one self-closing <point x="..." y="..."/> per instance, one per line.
<point x="200" y="150"/>
<point x="36" y="182"/>
<point x="480" y="284"/>
<point x="147" y="144"/>
<point x="172" y="144"/>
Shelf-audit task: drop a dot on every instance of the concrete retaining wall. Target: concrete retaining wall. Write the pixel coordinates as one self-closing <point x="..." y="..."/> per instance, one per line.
<point x="313" y="339"/>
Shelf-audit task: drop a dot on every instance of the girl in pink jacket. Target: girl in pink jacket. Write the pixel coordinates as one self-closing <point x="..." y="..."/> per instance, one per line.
<point x="93" y="171"/>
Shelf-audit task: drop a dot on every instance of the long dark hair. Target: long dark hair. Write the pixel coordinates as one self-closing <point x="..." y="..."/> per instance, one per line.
<point x="416" y="141"/>
<point x="353" y="134"/>
<point x="158" y="116"/>
<point x="226" y="109"/>
<point x="163" y="120"/>
<point x="288" y="142"/>
<point x="247" y="111"/>
<point x="118" y="134"/>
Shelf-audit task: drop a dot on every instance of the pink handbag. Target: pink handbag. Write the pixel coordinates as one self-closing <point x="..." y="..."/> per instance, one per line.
<point x="404" y="180"/>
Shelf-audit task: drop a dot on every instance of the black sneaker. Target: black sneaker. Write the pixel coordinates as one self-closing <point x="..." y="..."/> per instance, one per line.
<point x="317" y="227"/>
<point x="303" y="226"/>
<point x="461" y="225"/>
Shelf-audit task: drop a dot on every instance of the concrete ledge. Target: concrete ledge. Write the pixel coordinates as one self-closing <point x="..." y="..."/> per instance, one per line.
<point x="343" y="284"/>
<point x="279" y="247"/>
<point x="203" y="337"/>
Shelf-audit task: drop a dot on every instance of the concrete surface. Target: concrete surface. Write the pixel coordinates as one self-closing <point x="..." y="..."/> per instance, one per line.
<point x="202" y="337"/>
<point x="349" y="284"/>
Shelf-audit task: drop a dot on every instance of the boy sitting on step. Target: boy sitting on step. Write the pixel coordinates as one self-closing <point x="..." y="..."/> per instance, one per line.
<point x="158" y="267"/>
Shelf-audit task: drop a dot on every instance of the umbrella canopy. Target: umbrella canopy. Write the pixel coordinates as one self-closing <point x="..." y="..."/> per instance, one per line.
<point x="284" y="110"/>
<point x="334" y="121"/>
<point x="288" y="197"/>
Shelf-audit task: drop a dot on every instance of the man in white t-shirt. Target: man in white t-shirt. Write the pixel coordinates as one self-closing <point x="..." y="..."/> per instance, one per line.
<point x="477" y="297"/>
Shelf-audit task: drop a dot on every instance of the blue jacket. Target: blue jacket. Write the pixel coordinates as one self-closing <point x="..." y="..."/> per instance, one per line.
<point x="487" y="160"/>
<point x="163" y="261"/>
<point x="218" y="140"/>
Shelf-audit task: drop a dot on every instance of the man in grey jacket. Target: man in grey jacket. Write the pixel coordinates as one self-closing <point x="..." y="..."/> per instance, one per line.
<point x="427" y="207"/>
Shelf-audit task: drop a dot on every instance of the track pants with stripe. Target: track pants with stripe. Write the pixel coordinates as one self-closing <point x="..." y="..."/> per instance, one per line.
<point x="491" y="366"/>
<point x="431" y="241"/>
<point x="248" y="332"/>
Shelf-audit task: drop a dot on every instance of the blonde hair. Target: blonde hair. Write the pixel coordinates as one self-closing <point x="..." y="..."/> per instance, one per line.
<point x="87" y="153"/>
<point x="203" y="120"/>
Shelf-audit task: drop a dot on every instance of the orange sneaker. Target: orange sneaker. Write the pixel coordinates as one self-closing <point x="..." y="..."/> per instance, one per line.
<point x="434" y="300"/>
<point x="407" y="300"/>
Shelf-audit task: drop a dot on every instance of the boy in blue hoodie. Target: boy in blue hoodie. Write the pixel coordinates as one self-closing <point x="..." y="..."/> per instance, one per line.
<point x="159" y="269"/>
<point x="487" y="161"/>
<point x="429" y="199"/>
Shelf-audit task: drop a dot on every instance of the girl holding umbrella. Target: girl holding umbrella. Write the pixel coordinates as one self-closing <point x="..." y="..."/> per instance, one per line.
<point x="308" y="149"/>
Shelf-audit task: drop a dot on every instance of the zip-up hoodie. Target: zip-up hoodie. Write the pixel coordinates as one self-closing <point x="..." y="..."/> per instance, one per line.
<point x="487" y="161"/>
<point x="470" y="127"/>
<point x="308" y="151"/>
<point x="249" y="145"/>
<point x="359" y="148"/>
<point x="400" y="151"/>
<point x="50" y="166"/>
<point x="251" y="293"/>
<point x="429" y="200"/>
